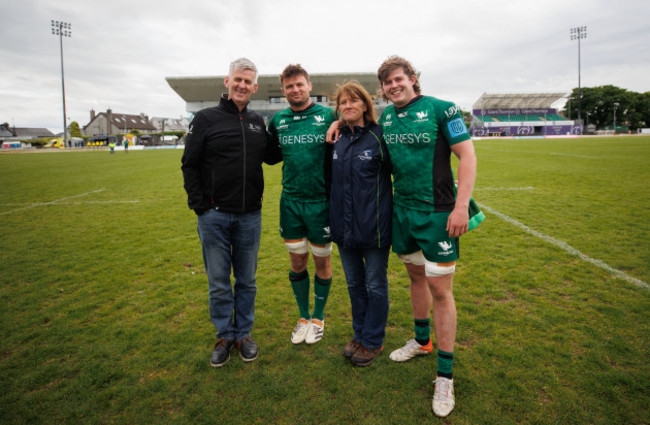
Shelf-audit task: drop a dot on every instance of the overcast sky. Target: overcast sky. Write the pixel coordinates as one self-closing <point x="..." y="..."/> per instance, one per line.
<point x="121" y="50"/>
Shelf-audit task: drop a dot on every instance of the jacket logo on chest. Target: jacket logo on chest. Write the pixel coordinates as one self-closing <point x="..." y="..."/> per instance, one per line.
<point x="255" y="128"/>
<point x="365" y="155"/>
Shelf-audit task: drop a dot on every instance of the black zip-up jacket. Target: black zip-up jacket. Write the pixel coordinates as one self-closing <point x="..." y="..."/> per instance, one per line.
<point x="222" y="161"/>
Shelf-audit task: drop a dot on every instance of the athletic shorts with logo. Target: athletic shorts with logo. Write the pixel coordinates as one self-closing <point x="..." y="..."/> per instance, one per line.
<point x="305" y="219"/>
<point x="415" y="230"/>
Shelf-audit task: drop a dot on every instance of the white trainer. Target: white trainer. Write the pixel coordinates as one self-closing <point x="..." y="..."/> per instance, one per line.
<point x="410" y="350"/>
<point x="300" y="331"/>
<point x="443" y="397"/>
<point x="315" y="332"/>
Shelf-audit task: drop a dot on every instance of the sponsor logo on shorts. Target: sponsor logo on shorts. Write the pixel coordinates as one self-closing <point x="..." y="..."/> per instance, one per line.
<point x="446" y="248"/>
<point x="327" y="234"/>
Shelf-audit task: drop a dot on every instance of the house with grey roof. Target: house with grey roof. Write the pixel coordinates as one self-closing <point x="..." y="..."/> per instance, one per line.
<point x="113" y="123"/>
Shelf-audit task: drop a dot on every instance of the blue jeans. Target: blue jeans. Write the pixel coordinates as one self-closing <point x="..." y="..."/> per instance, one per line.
<point x="365" y="271"/>
<point x="230" y="239"/>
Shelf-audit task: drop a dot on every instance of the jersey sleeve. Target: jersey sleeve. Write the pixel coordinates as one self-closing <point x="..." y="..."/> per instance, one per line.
<point x="331" y="117"/>
<point x="451" y="122"/>
<point x="272" y="130"/>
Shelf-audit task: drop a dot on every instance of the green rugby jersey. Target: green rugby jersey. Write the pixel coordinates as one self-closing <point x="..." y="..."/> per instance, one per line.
<point x="419" y="137"/>
<point x="301" y="136"/>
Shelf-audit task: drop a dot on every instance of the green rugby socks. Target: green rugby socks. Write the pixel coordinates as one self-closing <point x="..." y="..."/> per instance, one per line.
<point x="321" y="292"/>
<point x="445" y="364"/>
<point x="422" y="330"/>
<point x="300" y="285"/>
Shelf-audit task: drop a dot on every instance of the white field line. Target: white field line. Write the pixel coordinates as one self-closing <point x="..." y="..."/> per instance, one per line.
<point x="566" y="247"/>
<point x="55" y="202"/>
<point x="504" y="188"/>
<point x="97" y="202"/>
<point x="76" y="203"/>
<point x="576" y="156"/>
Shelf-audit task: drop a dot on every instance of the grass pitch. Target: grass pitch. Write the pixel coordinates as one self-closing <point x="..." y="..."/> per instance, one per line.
<point x="104" y="316"/>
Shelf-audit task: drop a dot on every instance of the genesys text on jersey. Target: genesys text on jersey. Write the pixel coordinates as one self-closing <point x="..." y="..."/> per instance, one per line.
<point x="408" y="138"/>
<point x="302" y="138"/>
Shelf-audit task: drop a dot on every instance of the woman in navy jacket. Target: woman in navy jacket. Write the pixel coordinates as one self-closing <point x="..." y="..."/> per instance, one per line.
<point x="361" y="203"/>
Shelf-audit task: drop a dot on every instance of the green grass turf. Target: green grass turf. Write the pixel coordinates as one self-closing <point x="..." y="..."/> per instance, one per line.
<point x="104" y="315"/>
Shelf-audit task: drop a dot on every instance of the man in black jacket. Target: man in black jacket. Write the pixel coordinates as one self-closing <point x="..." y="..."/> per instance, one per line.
<point x="222" y="169"/>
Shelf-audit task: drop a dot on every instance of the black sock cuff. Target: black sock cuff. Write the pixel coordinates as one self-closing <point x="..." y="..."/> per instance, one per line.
<point x="448" y="356"/>
<point x="294" y="277"/>
<point x="321" y="281"/>
<point x="422" y="323"/>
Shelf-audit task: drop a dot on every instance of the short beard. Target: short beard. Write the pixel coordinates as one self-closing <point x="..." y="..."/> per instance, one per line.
<point x="299" y="105"/>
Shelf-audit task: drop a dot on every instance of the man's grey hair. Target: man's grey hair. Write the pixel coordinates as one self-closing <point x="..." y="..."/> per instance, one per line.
<point x="243" y="63"/>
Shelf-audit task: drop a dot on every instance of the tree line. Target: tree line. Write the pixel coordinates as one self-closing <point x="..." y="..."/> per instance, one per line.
<point x="599" y="105"/>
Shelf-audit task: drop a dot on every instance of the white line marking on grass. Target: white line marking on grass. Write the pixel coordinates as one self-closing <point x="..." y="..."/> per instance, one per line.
<point x="576" y="156"/>
<point x="566" y="247"/>
<point x="56" y="201"/>
<point x="97" y="202"/>
<point x="504" y="188"/>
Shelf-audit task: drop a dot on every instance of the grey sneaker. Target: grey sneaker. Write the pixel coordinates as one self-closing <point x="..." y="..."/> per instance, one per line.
<point x="221" y="352"/>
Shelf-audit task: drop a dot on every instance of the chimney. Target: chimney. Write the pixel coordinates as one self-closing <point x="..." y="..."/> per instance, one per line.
<point x="92" y="114"/>
<point x="109" y="121"/>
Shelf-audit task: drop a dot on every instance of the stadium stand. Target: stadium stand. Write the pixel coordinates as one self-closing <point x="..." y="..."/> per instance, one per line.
<point x="526" y="114"/>
<point x="203" y="92"/>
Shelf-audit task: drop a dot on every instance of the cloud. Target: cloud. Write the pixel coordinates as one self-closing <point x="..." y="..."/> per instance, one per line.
<point x="121" y="51"/>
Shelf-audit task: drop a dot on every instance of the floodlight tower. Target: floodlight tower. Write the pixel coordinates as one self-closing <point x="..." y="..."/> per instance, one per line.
<point x="616" y="105"/>
<point x="578" y="33"/>
<point x="62" y="29"/>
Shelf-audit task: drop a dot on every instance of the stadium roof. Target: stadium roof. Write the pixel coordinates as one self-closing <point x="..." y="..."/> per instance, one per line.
<point x="515" y="101"/>
<point x="210" y="88"/>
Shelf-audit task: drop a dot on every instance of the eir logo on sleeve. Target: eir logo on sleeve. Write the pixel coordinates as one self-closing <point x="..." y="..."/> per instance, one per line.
<point x="456" y="127"/>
